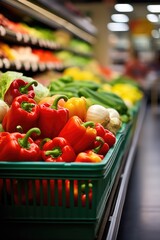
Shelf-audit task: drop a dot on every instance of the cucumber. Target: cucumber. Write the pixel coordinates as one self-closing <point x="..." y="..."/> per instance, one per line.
<point x="66" y="79"/>
<point x="106" y="100"/>
<point x="113" y="96"/>
<point x="83" y="84"/>
<point x="67" y="93"/>
<point x="56" y="85"/>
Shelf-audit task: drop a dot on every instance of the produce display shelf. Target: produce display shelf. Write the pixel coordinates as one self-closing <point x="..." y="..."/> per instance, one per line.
<point x="26" y="39"/>
<point x="30" y="66"/>
<point x="49" y="18"/>
<point x="24" y="186"/>
<point x="18" y="37"/>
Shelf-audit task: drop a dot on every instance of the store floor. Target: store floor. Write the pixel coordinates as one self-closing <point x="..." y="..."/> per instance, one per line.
<point x="141" y="213"/>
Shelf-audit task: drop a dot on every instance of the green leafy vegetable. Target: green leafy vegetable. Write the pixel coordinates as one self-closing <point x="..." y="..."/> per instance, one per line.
<point x="7" y="77"/>
<point x="40" y="90"/>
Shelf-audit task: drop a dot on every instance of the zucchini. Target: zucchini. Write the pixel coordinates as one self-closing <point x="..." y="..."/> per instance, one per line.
<point x="83" y="84"/>
<point x="113" y="96"/>
<point x="69" y="84"/>
<point x="106" y="100"/>
<point x="66" y="79"/>
<point x="92" y="99"/>
<point x="56" y="85"/>
<point x="67" y="93"/>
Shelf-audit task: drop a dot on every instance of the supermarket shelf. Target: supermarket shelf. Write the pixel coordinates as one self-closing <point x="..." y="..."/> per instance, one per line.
<point x="65" y="12"/>
<point x="6" y="65"/>
<point x="50" y="19"/>
<point x="29" y="66"/>
<point x="111" y="220"/>
<point x="26" y="39"/>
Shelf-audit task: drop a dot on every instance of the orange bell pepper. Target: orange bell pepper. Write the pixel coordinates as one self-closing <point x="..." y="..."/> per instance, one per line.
<point x="89" y="157"/>
<point x="77" y="106"/>
<point x="51" y="99"/>
<point x="80" y="135"/>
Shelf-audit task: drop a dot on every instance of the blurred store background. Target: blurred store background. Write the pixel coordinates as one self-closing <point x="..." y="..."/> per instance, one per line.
<point x="122" y="27"/>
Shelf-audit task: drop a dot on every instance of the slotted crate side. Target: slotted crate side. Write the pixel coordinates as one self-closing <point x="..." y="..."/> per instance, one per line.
<point x="60" y="197"/>
<point x="47" y="228"/>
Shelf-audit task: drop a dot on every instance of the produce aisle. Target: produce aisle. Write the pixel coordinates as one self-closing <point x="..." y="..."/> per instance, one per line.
<point x="141" y="212"/>
<point x="38" y="200"/>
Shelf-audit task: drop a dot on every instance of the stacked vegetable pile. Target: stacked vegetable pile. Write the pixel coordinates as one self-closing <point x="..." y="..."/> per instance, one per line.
<point x="65" y="122"/>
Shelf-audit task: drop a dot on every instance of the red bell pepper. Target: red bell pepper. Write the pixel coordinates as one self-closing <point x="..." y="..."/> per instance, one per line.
<point x="19" y="87"/>
<point x="79" y="134"/>
<point x="94" y="155"/>
<point x="18" y="187"/>
<point x="3" y="134"/>
<point x="24" y="111"/>
<point x="42" y="188"/>
<point x="49" y="192"/>
<point x="58" y="189"/>
<point x="41" y="141"/>
<point x="100" y="146"/>
<point x="52" y="118"/>
<point x="82" y="193"/>
<point x="42" y="185"/>
<point x="85" y="197"/>
<point x="19" y="147"/>
<point x="58" y="150"/>
<point x="108" y="136"/>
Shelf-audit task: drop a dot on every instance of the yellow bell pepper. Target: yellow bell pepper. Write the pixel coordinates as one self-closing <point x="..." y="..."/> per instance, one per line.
<point x="77" y="107"/>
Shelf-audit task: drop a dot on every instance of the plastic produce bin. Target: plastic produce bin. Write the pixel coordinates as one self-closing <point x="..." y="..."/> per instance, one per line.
<point x="57" y="200"/>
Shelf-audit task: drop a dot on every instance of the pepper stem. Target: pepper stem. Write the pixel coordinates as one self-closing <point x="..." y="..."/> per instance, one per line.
<point x="24" y="89"/>
<point x="44" y="141"/>
<point x="23" y="142"/>
<point x="97" y="149"/>
<point x="55" y="152"/>
<point x="27" y="106"/>
<point x="83" y="186"/>
<point x="88" y="124"/>
<point x="55" y="103"/>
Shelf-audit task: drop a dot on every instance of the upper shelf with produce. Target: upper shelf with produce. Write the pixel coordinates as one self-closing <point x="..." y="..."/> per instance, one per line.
<point x="43" y="40"/>
<point x="35" y="47"/>
<point x="54" y="15"/>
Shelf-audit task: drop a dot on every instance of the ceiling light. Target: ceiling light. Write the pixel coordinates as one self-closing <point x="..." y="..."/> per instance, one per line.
<point x="152" y="17"/>
<point x="153" y="8"/>
<point x="117" y="27"/>
<point x="123" y="7"/>
<point x="119" y="18"/>
<point x="155" y="34"/>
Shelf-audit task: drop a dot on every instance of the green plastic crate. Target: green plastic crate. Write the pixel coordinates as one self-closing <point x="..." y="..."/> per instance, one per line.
<point x="36" y="205"/>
